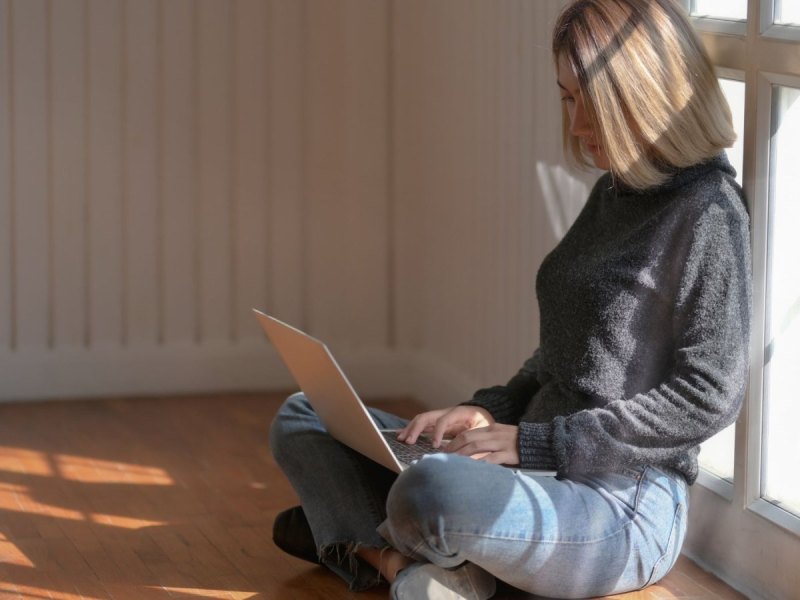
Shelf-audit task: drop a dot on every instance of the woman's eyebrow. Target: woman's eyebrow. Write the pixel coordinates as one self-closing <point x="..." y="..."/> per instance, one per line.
<point x="561" y="85"/>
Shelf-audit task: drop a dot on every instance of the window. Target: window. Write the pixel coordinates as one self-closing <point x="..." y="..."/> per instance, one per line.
<point x="787" y="12"/>
<point x="766" y="162"/>
<point x="780" y="483"/>
<point x="752" y="518"/>
<point x="734" y="10"/>
<point x="717" y="454"/>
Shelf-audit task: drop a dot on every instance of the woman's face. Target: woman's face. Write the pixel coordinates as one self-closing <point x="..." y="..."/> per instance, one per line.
<point x="578" y="119"/>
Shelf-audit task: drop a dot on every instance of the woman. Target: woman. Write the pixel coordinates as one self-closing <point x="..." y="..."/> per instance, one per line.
<point x="645" y="311"/>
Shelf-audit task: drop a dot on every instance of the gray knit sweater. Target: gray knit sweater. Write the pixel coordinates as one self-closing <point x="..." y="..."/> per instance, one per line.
<point x="645" y="316"/>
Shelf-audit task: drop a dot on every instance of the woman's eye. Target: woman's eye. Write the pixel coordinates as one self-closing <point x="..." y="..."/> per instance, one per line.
<point x="567" y="99"/>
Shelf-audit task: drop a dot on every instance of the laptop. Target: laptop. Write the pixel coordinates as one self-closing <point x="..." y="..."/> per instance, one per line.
<point x="335" y="401"/>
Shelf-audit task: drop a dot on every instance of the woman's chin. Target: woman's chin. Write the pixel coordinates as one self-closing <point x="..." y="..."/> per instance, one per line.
<point x="601" y="162"/>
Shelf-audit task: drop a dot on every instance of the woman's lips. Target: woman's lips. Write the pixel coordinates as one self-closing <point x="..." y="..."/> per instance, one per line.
<point x="593" y="148"/>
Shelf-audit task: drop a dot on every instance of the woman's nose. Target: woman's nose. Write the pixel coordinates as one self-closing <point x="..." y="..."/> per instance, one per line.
<point x="579" y="124"/>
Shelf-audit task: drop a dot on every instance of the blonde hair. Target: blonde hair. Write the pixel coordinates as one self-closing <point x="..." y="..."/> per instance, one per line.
<point x="648" y="86"/>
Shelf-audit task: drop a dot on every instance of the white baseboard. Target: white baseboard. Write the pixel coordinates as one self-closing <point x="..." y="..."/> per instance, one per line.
<point x="140" y="371"/>
<point x="217" y="368"/>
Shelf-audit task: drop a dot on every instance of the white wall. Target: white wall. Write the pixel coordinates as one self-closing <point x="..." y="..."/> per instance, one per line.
<point x="165" y="166"/>
<point x="387" y="175"/>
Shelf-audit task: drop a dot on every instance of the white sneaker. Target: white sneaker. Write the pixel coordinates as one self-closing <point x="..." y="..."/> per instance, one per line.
<point x="426" y="581"/>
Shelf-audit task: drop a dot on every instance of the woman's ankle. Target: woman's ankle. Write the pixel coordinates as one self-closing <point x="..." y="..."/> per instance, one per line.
<point x="388" y="561"/>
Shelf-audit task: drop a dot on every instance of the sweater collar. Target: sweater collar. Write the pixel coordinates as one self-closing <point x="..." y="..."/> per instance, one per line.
<point x="677" y="177"/>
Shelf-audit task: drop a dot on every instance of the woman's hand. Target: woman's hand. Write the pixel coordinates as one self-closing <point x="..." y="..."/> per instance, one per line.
<point x="445" y="422"/>
<point x="496" y="444"/>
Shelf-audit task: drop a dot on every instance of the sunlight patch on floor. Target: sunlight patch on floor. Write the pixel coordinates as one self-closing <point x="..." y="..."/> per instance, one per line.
<point x="93" y="470"/>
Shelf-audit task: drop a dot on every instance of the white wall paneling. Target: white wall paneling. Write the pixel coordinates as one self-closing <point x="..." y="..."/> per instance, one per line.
<point x="167" y="165"/>
<point x="385" y="174"/>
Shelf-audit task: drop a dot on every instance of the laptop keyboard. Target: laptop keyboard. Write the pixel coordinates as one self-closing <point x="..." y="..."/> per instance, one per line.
<point x="408" y="454"/>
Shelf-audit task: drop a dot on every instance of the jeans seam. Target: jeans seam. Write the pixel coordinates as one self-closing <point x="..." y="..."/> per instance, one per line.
<point x="670" y="546"/>
<point x="543" y="541"/>
<point x="375" y="503"/>
<point x="639" y="486"/>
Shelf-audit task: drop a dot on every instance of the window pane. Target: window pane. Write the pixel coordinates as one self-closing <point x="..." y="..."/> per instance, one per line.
<point x="787" y="12"/>
<point x="734" y="92"/>
<point x="716" y="455"/>
<point x="781" y="476"/>
<point x="721" y="9"/>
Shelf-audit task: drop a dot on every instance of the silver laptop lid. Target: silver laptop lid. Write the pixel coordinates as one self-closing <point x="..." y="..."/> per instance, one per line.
<point x="330" y="393"/>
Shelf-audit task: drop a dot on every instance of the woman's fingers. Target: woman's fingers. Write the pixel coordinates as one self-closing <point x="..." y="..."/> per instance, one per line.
<point x="496" y="444"/>
<point x="442" y="422"/>
<point x="418" y="424"/>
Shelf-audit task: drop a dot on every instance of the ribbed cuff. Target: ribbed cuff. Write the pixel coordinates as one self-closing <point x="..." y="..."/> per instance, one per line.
<point x="498" y="401"/>
<point x="536" y="446"/>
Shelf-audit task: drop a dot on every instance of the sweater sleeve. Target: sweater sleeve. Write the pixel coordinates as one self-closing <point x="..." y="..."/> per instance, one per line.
<point x="506" y="403"/>
<point x="703" y="390"/>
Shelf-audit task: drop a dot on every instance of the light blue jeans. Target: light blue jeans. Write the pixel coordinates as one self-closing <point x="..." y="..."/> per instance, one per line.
<point x="589" y="535"/>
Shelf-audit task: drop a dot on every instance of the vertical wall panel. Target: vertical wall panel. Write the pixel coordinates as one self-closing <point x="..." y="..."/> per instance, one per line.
<point x="141" y="198"/>
<point x="6" y="255"/>
<point x="346" y="171"/>
<point x="285" y="63"/>
<point x="214" y="125"/>
<point x="105" y="225"/>
<point x="69" y="168"/>
<point x="250" y="200"/>
<point x="525" y="271"/>
<point x="324" y="104"/>
<point x="31" y="176"/>
<point x="178" y="174"/>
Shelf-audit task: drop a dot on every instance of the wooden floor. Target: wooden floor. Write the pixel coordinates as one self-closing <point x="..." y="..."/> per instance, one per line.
<point x="167" y="498"/>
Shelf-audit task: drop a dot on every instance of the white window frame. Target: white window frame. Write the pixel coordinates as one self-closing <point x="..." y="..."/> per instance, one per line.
<point x="763" y="55"/>
<point x="769" y="28"/>
<point x="765" y="157"/>
<point x="719" y="485"/>
<point x="719" y="26"/>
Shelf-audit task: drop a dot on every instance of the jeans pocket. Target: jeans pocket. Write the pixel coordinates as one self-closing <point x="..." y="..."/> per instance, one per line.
<point x="667" y="560"/>
<point x="630" y="495"/>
